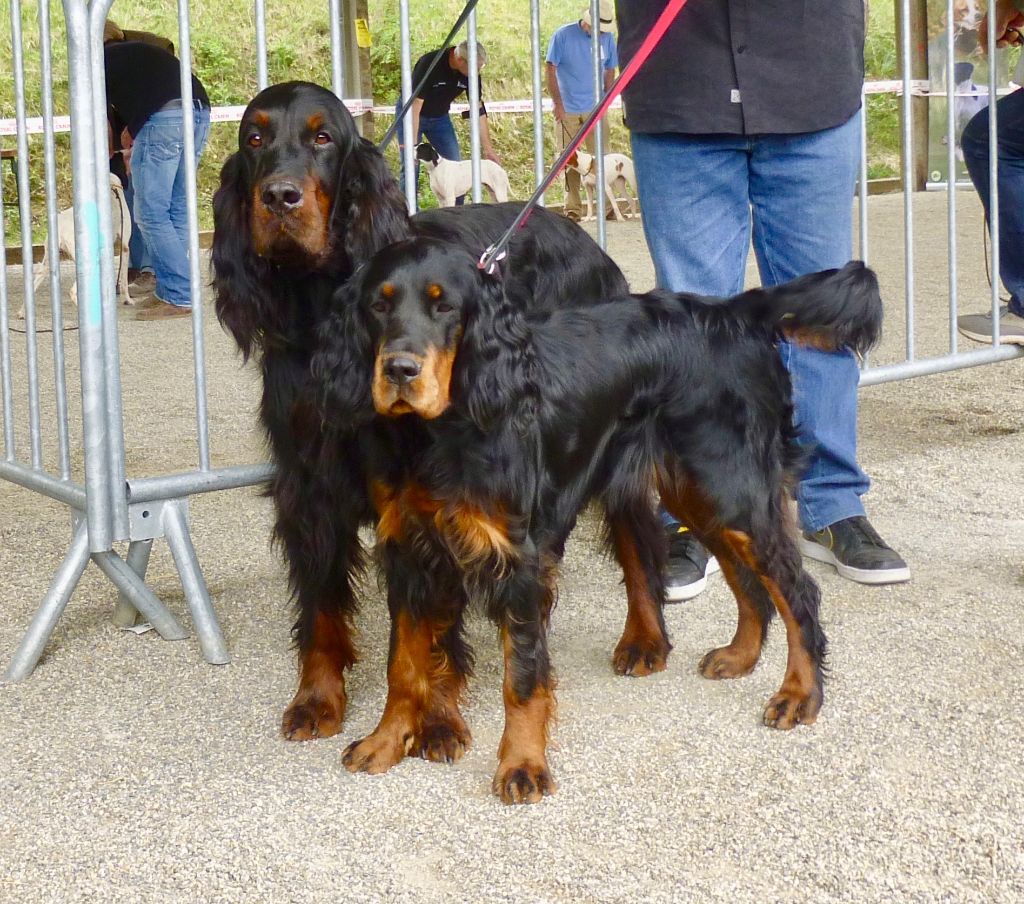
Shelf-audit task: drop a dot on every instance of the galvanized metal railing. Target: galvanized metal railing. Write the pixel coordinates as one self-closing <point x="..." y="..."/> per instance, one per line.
<point x="107" y="506"/>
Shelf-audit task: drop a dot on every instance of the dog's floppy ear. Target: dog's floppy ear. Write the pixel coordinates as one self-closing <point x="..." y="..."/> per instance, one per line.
<point x="495" y="368"/>
<point x="241" y="279"/>
<point x="342" y="365"/>
<point x="370" y="210"/>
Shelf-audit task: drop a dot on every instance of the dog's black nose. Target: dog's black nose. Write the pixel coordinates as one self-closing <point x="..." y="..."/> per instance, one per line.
<point x="281" y="196"/>
<point x="400" y="370"/>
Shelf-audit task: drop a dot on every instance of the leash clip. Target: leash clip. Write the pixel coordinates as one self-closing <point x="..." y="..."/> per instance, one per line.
<point x="488" y="265"/>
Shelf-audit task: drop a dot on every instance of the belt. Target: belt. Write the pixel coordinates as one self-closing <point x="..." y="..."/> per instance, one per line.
<point x="175" y="104"/>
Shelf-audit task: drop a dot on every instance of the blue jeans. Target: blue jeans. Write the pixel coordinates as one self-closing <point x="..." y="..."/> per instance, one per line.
<point x="440" y="132"/>
<point x="158" y="177"/>
<point x="703" y="197"/>
<point x="1010" y="138"/>
<point x="138" y="253"/>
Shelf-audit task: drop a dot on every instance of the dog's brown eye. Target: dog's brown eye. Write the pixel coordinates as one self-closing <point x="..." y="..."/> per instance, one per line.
<point x="381" y="307"/>
<point x="442" y="307"/>
<point x="322" y="138"/>
<point x="255" y="140"/>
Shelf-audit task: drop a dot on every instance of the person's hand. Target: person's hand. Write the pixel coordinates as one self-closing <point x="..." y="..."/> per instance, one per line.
<point x="126" y="139"/>
<point x="559" y="112"/>
<point x="490" y="155"/>
<point x="1007" y="17"/>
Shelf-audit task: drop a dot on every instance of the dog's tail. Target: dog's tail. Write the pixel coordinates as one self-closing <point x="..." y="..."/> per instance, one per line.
<point x="828" y="310"/>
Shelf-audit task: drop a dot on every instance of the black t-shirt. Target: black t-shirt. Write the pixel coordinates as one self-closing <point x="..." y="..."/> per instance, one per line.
<point x="745" y="67"/>
<point x="141" y="78"/>
<point x="443" y="86"/>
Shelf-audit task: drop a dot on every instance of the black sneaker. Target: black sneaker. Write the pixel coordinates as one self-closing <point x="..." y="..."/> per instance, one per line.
<point x="856" y="551"/>
<point x="689" y="565"/>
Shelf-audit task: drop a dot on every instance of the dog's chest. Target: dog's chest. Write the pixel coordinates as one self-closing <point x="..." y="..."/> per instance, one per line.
<point x="417" y="518"/>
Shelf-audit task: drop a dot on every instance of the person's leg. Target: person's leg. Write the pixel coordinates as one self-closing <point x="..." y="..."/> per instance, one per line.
<point x="975" y="145"/>
<point x="401" y="151"/>
<point x="156" y="159"/>
<point x="694" y="200"/>
<point x="801" y="189"/>
<point x="565" y="131"/>
<point x="440" y="132"/>
<point x="179" y="196"/>
<point x="694" y="204"/>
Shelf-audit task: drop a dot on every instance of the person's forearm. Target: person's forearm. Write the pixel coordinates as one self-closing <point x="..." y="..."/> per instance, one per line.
<point x="485" y="137"/>
<point x="556" y="95"/>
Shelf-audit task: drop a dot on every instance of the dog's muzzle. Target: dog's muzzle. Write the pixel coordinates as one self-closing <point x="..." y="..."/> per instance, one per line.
<point x="401" y="369"/>
<point x="281" y="196"/>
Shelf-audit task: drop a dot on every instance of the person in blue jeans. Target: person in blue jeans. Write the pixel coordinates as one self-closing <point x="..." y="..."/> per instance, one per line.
<point x="431" y="118"/>
<point x="744" y="129"/>
<point x="974" y="142"/>
<point x="143" y="88"/>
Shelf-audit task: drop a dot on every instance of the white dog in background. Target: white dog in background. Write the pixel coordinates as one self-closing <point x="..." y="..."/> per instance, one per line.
<point x="122" y="228"/>
<point x="619" y="180"/>
<point x="451" y="178"/>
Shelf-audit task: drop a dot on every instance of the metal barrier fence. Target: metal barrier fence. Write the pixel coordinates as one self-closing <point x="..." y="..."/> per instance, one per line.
<point x="106" y="505"/>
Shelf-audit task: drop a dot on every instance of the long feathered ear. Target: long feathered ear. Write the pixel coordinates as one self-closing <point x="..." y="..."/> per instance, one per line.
<point x="495" y="368"/>
<point x="240" y="278"/>
<point x="370" y="208"/>
<point x="342" y="365"/>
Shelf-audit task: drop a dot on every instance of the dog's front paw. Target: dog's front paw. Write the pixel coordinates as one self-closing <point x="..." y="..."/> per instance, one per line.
<point x="444" y="740"/>
<point x="726" y="662"/>
<point x="378" y="752"/>
<point x="789" y="708"/>
<point x="639" y="657"/>
<point x="314" y="714"/>
<point x="523" y="781"/>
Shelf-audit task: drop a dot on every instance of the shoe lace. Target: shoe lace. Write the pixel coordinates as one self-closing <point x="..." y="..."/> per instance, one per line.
<point x="862" y="527"/>
<point x="684" y="545"/>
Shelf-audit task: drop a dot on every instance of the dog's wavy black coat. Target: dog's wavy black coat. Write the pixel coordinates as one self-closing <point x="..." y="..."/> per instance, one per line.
<point x="300" y="206"/>
<point x="524" y="420"/>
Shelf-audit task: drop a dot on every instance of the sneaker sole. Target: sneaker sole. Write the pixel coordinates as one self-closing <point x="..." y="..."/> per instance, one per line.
<point x="987" y="339"/>
<point x="682" y="594"/>
<point x="861" y="575"/>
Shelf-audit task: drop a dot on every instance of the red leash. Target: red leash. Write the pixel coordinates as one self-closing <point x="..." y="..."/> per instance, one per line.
<point x="668" y="15"/>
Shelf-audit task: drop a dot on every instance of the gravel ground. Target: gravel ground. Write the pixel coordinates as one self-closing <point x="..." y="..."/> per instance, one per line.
<point x="133" y="771"/>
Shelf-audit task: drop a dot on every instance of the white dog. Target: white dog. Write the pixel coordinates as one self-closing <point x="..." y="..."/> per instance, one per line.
<point x="122" y="228"/>
<point x="451" y="178"/>
<point x="619" y="180"/>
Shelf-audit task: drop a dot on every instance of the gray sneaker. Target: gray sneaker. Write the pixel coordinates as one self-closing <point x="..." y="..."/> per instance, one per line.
<point x="979" y="327"/>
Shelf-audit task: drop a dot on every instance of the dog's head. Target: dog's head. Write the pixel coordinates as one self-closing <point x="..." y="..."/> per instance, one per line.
<point x="420" y="331"/>
<point x="427" y="153"/>
<point x="584" y="162"/>
<point x="304" y="193"/>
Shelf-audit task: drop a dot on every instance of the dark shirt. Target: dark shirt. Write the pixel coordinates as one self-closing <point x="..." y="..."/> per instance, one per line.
<point x="443" y="86"/>
<point x="141" y="79"/>
<point x="745" y="67"/>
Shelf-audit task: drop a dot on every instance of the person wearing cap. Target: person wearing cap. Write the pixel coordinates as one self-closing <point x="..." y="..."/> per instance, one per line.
<point x="144" y="91"/>
<point x="570" y="77"/>
<point x="431" y="107"/>
<point x="745" y="128"/>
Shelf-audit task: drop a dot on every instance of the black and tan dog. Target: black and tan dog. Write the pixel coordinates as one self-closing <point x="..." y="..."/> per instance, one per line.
<point x="302" y="203"/>
<point x="504" y="425"/>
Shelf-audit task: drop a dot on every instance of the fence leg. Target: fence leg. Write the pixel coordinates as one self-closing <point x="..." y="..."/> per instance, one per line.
<point x="64" y="581"/>
<point x="139" y="595"/>
<point x="125" y="614"/>
<point x="211" y="640"/>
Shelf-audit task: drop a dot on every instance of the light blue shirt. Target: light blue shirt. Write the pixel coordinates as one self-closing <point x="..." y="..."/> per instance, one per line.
<point x="569" y="53"/>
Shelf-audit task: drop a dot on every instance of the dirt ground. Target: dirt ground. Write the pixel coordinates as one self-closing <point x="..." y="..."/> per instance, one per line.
<point x="133" y="771"/>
